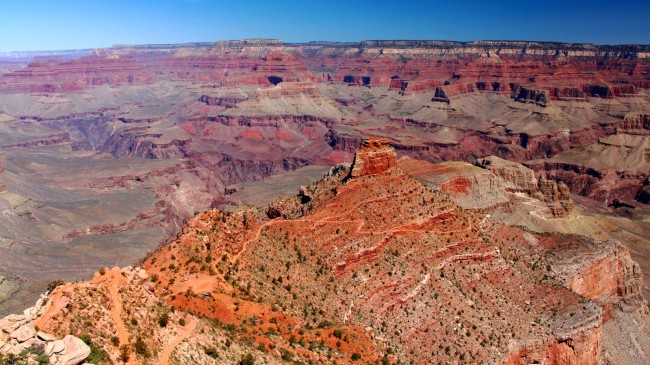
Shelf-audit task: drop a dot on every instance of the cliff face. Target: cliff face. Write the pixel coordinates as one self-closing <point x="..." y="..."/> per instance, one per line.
<point x="374" y="157"/>
<point x="605" y="273"/>
<point x="515" y="67"/>
<point x="583" y="346"/>
<point x="520" y="178"/>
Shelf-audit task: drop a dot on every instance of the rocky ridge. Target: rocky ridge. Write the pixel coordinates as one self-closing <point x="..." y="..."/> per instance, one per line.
<point x="453" y="284"/>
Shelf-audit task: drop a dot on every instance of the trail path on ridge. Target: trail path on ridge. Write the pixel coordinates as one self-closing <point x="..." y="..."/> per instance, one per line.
<point x="116" y="311"/>
<point x="164" y="357"/>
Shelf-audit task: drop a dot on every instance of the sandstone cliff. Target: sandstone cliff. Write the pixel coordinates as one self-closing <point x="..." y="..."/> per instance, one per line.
<point x="374" y="157"/>
<point x="520" y="178"/>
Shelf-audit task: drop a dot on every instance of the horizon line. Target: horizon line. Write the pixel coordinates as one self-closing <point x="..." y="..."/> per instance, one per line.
<point x="341" y="43"/>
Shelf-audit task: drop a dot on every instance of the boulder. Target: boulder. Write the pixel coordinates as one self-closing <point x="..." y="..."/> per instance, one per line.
<point x="75" y="352"/>
<point x="45" y="336"/>
<point x="11" y="322"/>
<point x="54" y="347"/>
<point x="143" y="274"/>
<point x="24" y="333"/>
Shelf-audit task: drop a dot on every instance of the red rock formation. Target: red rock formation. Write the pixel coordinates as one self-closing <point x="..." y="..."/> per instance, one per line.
<point x="53" y="76"/>
<point x="374" y="157"/>
<point x="462" y="67"/>
<point x="390" y="246"/>
<point x="607" y="274"/>
<point x="360" y="265"/>
<point x="581" y="347"/>
<point x="603" y="186"/>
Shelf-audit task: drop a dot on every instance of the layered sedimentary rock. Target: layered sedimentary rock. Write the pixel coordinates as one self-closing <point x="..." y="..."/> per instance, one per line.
<point x="376" y="267"/>
<point x="603" y="272"/>
<point x="520" y="178"/>
<point x="614" y="167"/>
<point x="374" y="157"/>
<point x="526" y="95"/>
<point x="176" y="124"/>
<point x="470" y="186"/>
<point x="500" y="66"/>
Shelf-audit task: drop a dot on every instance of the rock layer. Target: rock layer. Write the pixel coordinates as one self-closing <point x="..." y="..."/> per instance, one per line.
<point x="374" y="157"/>
<point x="520" y="178"/>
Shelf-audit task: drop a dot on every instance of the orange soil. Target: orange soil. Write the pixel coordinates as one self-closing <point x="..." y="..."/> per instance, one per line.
<point x="115" y="276"/>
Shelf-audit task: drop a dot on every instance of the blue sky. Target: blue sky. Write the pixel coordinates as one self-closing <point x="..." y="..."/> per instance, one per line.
<point x="70" y="24"/>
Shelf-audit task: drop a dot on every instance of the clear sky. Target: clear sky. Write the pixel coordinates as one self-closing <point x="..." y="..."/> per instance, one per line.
<point x="74" y="24"/>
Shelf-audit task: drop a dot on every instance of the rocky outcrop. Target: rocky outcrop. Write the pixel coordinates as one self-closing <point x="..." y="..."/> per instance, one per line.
<point x="635" y="124"/>
<point x="374" y="157"/>
<point x="227" y="102"/>
<point x="17" y="335"/>
<point x="400" y="255"/>
<point x="603" y="272"/>
<point x="440" y="96"/>
<point x="74" y="351"/>
<point x="471" y="187"/>
<point x="527" y="95"/>
<point x="520" y="178"/>
<point x="602" y="185"/>
<point x="23" y="333"/>
<point x="557" y="197"/>
<point x="576" y="341"/>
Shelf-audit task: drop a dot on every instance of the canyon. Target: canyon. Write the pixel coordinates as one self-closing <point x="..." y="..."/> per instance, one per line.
<point x="367" y="264"/>
<point x="108" y="155"/>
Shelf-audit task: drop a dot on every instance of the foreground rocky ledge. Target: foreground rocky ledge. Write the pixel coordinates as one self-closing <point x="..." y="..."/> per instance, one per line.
<point x="19" y="338"/>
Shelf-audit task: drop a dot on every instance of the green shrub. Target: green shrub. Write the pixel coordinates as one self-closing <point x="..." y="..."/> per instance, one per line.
<point x="141" y="347"/>
<point x="325" y="324"/>
<point x="338" y="333"/>
<point x="287" y="355"/>
<point x="163" y="320"/>
<point x="97" y="356"/>
<point x="247" y="359"/>
<point x="86" y="339"/>
<point x="212" y="352"/>
<point x="42" y="359"/>
<point x="53" y="284"/>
